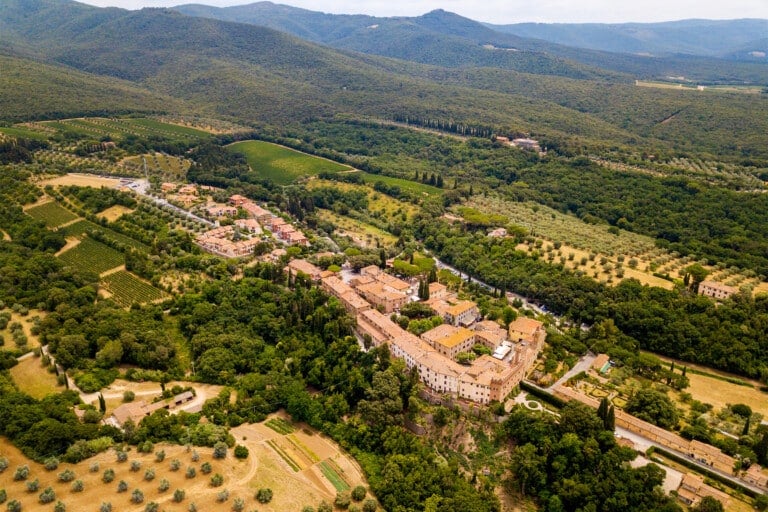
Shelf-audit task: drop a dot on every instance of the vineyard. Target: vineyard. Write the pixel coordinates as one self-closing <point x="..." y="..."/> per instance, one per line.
<point x="127" y="289"/>
<point x="92" y="256"/>
<point x="52" y="214"/>
<point x="283" y="165"/>
<point x="82" y="227"/>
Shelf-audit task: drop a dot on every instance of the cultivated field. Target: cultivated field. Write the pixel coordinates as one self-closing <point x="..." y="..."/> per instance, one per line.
<point x="52" y="213"/>
<point x="283" y="165"/>
<point x="81" y="227"/>
<point x="92" y="256"/>
<point x="127" y="289"/>
<point x="380" y="205"/>
<point x="361" y="233"/>
<point x="606" y="256"/>
<point x="264" y="468"/>
<point x="167" y="166"/>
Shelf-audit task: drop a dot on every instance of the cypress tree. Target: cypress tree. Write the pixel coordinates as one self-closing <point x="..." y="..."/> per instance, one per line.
<point x="102" y="404"/>
<point x="602" y="410"/>
<point x="745" y="432"/>
<point x="610" y="420"/>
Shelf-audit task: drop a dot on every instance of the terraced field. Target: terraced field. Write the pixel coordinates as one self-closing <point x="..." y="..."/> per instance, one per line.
<point x="283" y="165"/>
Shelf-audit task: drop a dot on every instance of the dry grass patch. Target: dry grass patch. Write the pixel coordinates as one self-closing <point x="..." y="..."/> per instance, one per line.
<point x="34" y="379"/>
<point x="82" y="180"/>
<point x="719" y="393"/>
<point x="361" y="233"/>
<point x="115" y="212"/>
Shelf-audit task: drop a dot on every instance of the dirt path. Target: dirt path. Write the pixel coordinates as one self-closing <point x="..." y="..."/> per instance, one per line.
<point x="72" y="242"/>
<point x="112" y="271"/>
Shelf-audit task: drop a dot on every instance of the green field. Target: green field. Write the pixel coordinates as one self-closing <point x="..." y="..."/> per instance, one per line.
<point x="283" y="165"/>
<point x="92" y="256"/>
<point x="333" y="476"/>
<point x="127" y="289"/>
<point x="279" y="425"/>
<point x="23" y="132"/>
<point x="52" y="213"/>
<point x="407" y="185"/>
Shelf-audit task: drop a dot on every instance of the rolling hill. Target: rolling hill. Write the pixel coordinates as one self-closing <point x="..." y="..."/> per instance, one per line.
<point x="257" y="75"/>
<point x="734" y="39"/>
<point x="447" y="39"/>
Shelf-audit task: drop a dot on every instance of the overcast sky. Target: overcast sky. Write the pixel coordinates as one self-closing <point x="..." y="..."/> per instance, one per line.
<point x="510" y="11"/>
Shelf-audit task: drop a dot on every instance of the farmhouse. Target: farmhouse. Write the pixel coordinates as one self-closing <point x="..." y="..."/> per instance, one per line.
<point x="137" y="411"/>
<point x="529" y="144"/>
<point x="716" y="290"/>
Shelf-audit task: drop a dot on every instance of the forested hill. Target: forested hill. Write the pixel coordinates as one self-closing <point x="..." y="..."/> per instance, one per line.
<point x="258" y="75"/>
<point x="735" y="39"/>
<point x="447" y="39"/>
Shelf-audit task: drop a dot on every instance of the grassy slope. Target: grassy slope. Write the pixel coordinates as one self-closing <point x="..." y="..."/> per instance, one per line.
<point x="280" y="164"/>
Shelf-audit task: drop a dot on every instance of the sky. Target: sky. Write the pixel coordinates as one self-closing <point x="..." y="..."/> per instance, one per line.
<point x="509" y="11"/>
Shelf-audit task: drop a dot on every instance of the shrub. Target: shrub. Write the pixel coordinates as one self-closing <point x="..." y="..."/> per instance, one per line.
<point x="354" y="508"/>
<point x="3" y="464"/>
<point x="129" y="396"/>
<point x="137" y="496"/>
<point x="222" y="496"/>
<point x="67" y="475"/>
<point x="33" y="486"/>
<point x="175" y="464"/>
<point x="122" y="486"/>
<point x="3" y="495"/>
<point x="191" y="472"/>
<point x="121" y="456"/>
<point x="105" y="507"/>
<point x="14" y="506"/>
<point x="241" y="452"/>
<point x="151" y="507"/>
<point x="192" y="507"/>
<point x="369" y="505"/>
<point x="308" y="509"/>
<point x="342" y="500"/>
<point x="51" y="463"/>
<point x="145" y="447"/>
<point x="219" y="450"/>
<point x="59" y="507"/>
<point x="238" y="505"/>
<point x="94" y="467"/>
<point x="160" y="456"/>
<point x="78" y="486"/>
<point x="149" y="475"/>
<point x="742" y="410"/>
<point x="135" y="465"/>
<point x="206" y="468"/>
<point x="178" y="495"/>
<point x="324" y="507"/>
<point x="21" y="473"/>
<point x="195" y="456"/>
<point x="358" y="493"/>
<point x="264" y="495"/>
<point x="217" y="480"/>
<point x="47" y="496"/>
<point x="108" y="476"/>
<point x="164" y="485"/>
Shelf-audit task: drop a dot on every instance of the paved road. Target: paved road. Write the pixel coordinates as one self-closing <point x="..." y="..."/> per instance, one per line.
<point x="584" y="364"/>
